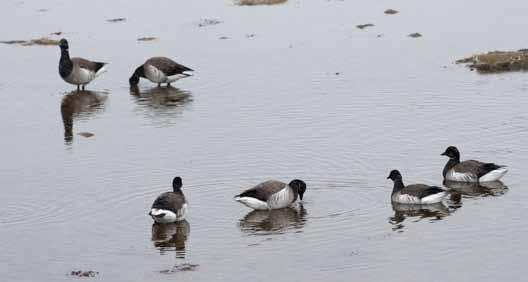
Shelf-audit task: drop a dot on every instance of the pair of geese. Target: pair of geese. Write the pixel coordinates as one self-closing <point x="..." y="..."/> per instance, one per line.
<point x="80" y="72"/>
<point x="171" y="206"/>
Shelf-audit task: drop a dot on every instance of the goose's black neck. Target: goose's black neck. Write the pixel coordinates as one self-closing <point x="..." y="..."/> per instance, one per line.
<point x="65" y="64"/>
<point x="177" y="185"/>
<point x="140" y="72"/>
<point x="134" y="79"/>
<point x="450" y="164"/>
<point x="398" y="185"/>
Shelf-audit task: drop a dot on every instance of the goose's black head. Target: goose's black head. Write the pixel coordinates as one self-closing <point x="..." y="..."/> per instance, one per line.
<point x="63" y="44"/>
<point x="298" y="185"/>
<point x="177" y="183"/>
<point x="451" y="152"/>
<point x="134" y="79"/>
<point x="394" y="175"/>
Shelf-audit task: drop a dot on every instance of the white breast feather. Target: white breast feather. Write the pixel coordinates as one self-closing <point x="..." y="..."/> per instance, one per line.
<point x="460" y="177"/>
<point x="155" y="75"/>
<point x="406" y="199"/>
<point x="281" y="199"/>
<point x="80" y="76"/>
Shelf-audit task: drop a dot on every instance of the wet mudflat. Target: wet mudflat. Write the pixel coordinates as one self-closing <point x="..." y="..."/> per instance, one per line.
<point x="308" y="96"/>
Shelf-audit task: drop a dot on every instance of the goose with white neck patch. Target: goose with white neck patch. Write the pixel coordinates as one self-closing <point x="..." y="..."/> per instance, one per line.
<point x="272" y="194"/>
<point x="419" y="194"/>
<point x="470" y="170"/>
<point x="78" y="71"/>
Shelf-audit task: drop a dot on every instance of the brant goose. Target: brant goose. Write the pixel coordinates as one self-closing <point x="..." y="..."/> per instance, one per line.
<point x="77" y="71"/>
<point x="470" y="170"/>
<point x="415" y="193"/>
<point x="160" y="70"/>
<point x="170" y="206"/>
<point x="272" y="194"/>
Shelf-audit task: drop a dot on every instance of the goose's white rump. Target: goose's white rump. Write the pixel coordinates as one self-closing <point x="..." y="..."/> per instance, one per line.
<point x="493" y="175"/>
<point x="253" y="203"/>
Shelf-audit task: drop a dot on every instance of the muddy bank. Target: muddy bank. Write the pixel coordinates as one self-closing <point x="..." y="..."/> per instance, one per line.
<point x="46" y="41"/>
<point x="497" y="61"/>
<point x="363" y="26"/>
<point x="259" y="2"/>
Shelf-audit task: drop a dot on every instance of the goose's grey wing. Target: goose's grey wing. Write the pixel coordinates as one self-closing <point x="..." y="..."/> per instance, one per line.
<point x="87" y="64"/>
<point x="264" y="190"/>
<point x="421" y="190"/>
<point x="167" y="66"/>
<point x="475" y="167"/>
<point x="169" y="201"/>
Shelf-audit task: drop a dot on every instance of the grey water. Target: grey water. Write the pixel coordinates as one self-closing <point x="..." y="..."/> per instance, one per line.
<point x="284" y="91"/>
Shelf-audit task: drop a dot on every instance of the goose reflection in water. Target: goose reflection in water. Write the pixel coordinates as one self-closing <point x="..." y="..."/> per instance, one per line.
<point x="403" y="211"/>
<point x="474" y="190"/>
<point x="171" y="237"/>
<point x="485" y="189"/>
<point x="273" y="221"/>
<point x="161" y="105"/>
<point x="161" y="98"/>
<point x="79" y="105"/>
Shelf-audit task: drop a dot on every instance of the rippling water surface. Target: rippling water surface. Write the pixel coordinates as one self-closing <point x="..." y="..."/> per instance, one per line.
<point x="283" y="91"/>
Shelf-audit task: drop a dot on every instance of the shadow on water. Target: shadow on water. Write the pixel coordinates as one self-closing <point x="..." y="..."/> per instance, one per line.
<point x="261" y="222"/>
<point x="461" y="190"/>
<point x="417" y="212"/>
<point x="79" y="105"/>
<point x="171" y="237"/>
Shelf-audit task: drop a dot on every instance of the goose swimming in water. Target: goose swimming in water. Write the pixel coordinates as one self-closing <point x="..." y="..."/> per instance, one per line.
<point x="170" y="206"/>
<point x="78" y="71"/>
<point x="272" y="194"/>
<point x="415" y="193"/>
<point x="470" y="170"/>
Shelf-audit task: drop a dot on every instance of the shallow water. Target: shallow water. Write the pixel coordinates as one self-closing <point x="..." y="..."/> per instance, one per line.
<point x="295" y="91"/>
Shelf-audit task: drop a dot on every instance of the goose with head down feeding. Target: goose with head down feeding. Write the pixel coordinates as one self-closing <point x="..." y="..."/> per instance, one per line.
<point x="470" y="170"/>
<point x="160" y="70"/>
<point x="272" y="194"/>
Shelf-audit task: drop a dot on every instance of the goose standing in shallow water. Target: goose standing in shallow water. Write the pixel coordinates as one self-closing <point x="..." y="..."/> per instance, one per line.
<point x="77" y="71"/>
<point x="170" y="206"/>
<point x="415" y="193"/>
<point x="272" y="194"/>
<point x="470" y="170"/>
<point x="160" y="70"/>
